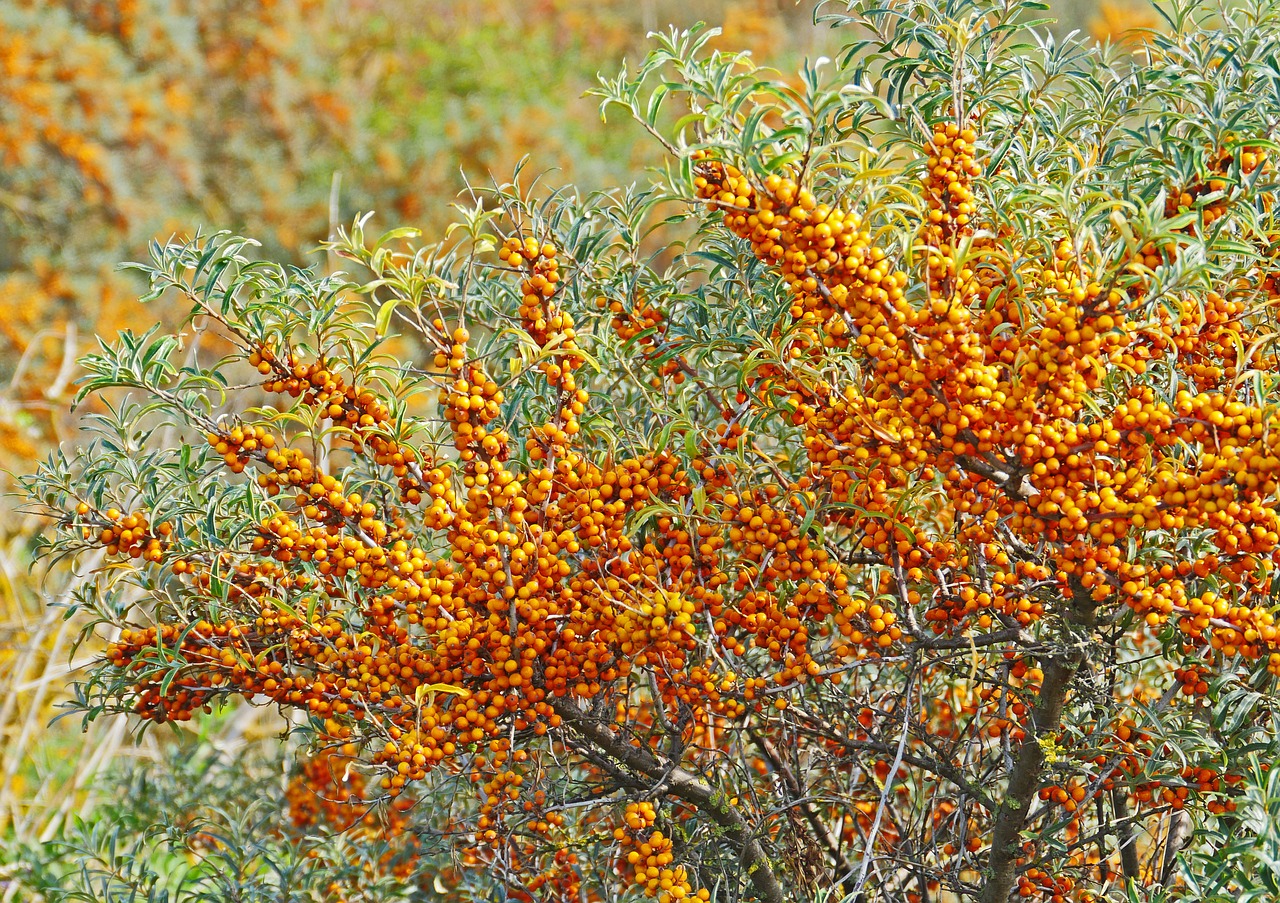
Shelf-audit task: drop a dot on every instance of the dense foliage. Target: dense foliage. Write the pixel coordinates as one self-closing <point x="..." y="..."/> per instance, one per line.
<point x="880" y="505"/>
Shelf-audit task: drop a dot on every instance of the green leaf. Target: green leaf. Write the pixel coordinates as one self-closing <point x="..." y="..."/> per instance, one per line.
<point x="383" y="320"/>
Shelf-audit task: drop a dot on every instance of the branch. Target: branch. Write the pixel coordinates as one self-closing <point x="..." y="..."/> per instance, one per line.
<point x="1009" y="635"/>
<point x="819" y="727"/>
<point x="797" y="794"/>
<point x="1023" y="780"/>
<point x="684" y="786"/>
<point x="1011" y="481"/>
<point x="1179" y="834"/>
<point x="1124" y="834"/>
<point x="868" y="853"/>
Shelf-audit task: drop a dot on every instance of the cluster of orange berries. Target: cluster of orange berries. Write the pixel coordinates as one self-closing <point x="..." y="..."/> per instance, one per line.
<point x="367" y="419"/>
<point x="499" y="781"/>
<point x="1192" y="680"/>
<point x="541" y="318"/>
<point x="1036" y="882"/>
<point x="329" y="793"/>
<point x="451" y="346"/>
<point x="662" y="620"/>
<point x="951" y="208"/>
<point x="1127" y="751"/>
<point x="765" y="533"/>
<point x="843" y="287"/>
<point x="1131" y="757"/>
<point x="280" y="537"/>
<point x="239" y="444"/>
<point x="560" y="879"/>
<point x="1005" y="710"/>
<point x="471" y="404"/>
<point x="497" y="792"/>
<point x="215" y="654"/>
<point x="127" y="534"/>
<point x="1219" y="181"/>
<point x="1208" y="340"/>
<point x="1008" y="597"/>
<point x="1121" y="761"/>
<point x="244" y="580"/>
<point x="845" y="295"/>
<point x="321" y="496"/>
<point x="289" y="467"/>
<point x="547" y="871"/>
<point x="1192" y="779"/>
<point x="1070" y="797"/>
<point x="649" y="858"/>
<point x="646" y="323"/>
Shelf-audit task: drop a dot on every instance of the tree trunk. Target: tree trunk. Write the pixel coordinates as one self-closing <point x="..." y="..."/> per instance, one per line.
<point x="1006" y="844"/>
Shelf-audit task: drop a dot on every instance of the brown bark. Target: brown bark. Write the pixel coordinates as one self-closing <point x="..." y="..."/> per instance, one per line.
<point x="1179" y="833"/>
<point x="1124" y="834"/>
<point x="1011" y="817"/>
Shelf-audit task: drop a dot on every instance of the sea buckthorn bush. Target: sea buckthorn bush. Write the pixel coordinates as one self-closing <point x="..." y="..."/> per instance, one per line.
<point x="124" y="121"/>
<point x="879" y="504"/>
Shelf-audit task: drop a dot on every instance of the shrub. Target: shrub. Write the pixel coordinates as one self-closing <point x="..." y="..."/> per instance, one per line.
<point x="880" y="505"/>
<point x="201" y="823"/>
<point x="120" y="122"/>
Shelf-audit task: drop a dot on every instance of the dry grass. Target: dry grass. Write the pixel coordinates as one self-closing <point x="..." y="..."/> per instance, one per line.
<point x="47" y="770"/>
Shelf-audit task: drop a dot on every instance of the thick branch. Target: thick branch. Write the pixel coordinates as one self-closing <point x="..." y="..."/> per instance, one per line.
<point x="1011" y="480"/>
<point x="1008" y="635"/>
<point x="1023" y="780"/>
<point x="1124" y="835"/>
<point x="1179" y="833"/>
<point x="684" y="786"/>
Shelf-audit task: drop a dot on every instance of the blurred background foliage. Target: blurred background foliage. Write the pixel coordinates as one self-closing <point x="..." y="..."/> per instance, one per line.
<point x="127" y="120"/>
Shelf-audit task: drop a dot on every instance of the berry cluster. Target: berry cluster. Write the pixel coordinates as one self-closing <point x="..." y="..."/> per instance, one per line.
<point x="1212" y="195"/>
<point x="649" y="859"/>
<point x="126" y="534"/>
<point x="646" y="324"/>
<point x="328" y="794"/>
<point x="366" y="419"/>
